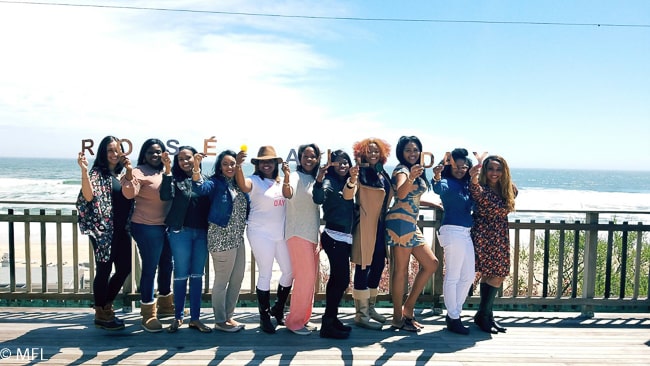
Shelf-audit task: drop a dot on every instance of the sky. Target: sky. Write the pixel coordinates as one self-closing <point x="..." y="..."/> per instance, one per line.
<point x="537" y="82"/>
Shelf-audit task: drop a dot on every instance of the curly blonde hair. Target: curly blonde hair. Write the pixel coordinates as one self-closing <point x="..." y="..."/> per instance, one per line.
<point x="360" y="149"/>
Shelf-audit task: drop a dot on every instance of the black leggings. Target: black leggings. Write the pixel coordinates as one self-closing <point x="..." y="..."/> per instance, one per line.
<point x="338" y="253"/>
<point x="105" y="286"/>
<point x="370" y="277"/>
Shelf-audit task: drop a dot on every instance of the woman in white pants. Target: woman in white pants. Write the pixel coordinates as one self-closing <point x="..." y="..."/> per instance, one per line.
<point x="265" y="230"/>
<point x="451" y="182"/>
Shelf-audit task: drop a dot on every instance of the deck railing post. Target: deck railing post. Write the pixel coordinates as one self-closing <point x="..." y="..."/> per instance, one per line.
<point x="591" y="250"/>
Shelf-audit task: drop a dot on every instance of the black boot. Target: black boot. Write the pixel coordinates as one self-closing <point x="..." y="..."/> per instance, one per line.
<point x="328" y="329"/>
<point x="342" y="327"/>
<point x="493" y="292"/>
<point x="263" y="304"/>
<point x="456" y="326"/>
<point x="482" y="316"/>
<point x="278" y="308"/>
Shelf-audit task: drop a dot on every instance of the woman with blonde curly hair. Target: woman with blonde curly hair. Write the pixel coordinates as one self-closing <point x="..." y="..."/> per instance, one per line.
<point x="494" y="193"/>
<point x="369" y="236"/>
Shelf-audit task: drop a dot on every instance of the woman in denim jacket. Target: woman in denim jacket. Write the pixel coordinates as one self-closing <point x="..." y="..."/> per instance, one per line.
<point x="226" y="224"/>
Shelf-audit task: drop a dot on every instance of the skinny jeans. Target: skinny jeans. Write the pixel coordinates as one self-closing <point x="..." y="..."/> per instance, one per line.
<point x="155" y="254"/>
<point x="371" y="275"/>
<point x="189" y="248"/>
<point x="459" y="267"/>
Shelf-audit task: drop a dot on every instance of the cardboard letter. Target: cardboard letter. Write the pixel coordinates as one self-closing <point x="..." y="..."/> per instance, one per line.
<point x="207" y="145"/>
<point x="128" y="142"/>
<point x="422" y="155"/>
<point x="87" y="144"/>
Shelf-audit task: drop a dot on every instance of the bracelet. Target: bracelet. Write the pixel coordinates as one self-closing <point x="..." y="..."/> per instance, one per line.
<point x="350" y="186"/>
<point x="286" y="184"/>
<point x="436" y="179"/>
<point x="194" y="171"/>
<point x="410" y="180"/>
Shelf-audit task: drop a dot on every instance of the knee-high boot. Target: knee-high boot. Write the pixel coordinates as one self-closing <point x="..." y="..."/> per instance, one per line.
<point x="482" y="316"/>
<point x="493" y="293"/>
<point x="278" y="308"/>
<point x="263" y="305"/>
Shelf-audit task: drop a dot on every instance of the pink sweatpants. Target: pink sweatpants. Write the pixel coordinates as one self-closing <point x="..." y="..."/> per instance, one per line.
<point x="304" y="261"/>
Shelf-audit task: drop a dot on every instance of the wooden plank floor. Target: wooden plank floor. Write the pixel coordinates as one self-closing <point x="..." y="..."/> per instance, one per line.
<point x="66" y="336"/>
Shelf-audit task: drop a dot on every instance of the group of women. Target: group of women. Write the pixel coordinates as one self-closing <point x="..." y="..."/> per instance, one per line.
<point x="177" y="215"/>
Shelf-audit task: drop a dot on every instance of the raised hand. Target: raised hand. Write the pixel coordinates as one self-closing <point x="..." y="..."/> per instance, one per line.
<point x="83" y="162"/>
<point x="241" y="157"/>
<point x="167" y="162"/>
<point x="285" y="168"/>
<point x="198" y="157"/>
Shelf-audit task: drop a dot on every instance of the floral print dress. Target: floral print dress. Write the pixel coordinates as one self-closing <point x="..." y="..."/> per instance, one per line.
<point x="490" y="232"/>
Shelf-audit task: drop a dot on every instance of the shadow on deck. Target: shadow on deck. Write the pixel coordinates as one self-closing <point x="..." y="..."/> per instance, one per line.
<point x="67" y="336"/>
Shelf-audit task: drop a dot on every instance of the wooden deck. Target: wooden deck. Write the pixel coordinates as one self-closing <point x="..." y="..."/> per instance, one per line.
<point x="66" y="336"/>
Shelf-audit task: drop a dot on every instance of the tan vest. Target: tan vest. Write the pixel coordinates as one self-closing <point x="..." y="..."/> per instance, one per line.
<point x="371" y="200"/>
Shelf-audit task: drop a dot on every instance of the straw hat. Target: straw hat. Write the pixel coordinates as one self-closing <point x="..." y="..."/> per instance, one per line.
<point x="266" y="153"/>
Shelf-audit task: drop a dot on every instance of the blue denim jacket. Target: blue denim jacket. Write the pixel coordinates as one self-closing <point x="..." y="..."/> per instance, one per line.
<point x="220" y="199"/>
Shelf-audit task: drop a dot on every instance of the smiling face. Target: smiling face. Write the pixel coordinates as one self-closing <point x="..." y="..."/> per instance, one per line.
<point x="308" y="160"/>
<point x="228" y="165"/>
<point x="267" y="167"/>
<point x="411" y="153"/>
<point x="344" y="166"/>
<point x="153" y="155"/>
<point x="460" y="170"/>
<point x="113" y="154"/>
<point x="186" y="161"/>
<point x="373" y="155"/>
<point x="493" y="172"/>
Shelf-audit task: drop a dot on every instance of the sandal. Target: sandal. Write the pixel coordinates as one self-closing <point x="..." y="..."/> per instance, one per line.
<point x="405" y="324"/>
<point x="409" y="325"/>
<point x="196" y="324"/>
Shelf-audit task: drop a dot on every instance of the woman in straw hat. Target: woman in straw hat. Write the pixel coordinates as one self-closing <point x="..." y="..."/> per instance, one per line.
<point x="265" y="229"/>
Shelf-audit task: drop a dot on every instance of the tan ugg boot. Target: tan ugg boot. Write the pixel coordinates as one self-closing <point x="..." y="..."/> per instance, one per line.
<point x="361" y="303"/>
<point x="150" y="322"/>
<point x="371" y="304"/>
<point x="166" y="305"/>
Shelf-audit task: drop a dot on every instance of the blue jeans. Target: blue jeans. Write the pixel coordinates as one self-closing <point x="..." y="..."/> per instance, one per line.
<point x="155" y="254"/>
<point x="190" y="251"/>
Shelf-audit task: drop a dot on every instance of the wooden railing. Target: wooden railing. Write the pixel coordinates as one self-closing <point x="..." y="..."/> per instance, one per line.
<point x="585" y="265"/>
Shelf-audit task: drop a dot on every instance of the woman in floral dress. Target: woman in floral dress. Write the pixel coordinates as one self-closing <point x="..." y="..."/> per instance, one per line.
<point x="494" y="193"/>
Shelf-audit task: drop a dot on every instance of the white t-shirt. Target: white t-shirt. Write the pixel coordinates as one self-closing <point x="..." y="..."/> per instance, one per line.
<point x="303" y="215"/>
<point x="268" y="208"/>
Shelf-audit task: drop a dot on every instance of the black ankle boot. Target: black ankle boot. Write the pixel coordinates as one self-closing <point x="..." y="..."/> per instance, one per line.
<point x="342" y="327"/>
<point x="328" y="329"/>
<point x="263" y="304"/>
<point x="456" y="326"/>
<point x="278" y="308"/>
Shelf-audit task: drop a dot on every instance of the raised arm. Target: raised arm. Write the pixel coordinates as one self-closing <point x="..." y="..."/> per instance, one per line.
<point x="245" y="184"/>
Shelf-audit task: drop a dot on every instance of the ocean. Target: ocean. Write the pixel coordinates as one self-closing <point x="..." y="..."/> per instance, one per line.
<point x="58" y="180"/>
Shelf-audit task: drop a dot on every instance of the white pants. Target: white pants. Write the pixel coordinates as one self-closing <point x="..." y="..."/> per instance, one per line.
<point x="265" y="251"/>
<point x="459" y="266"/>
